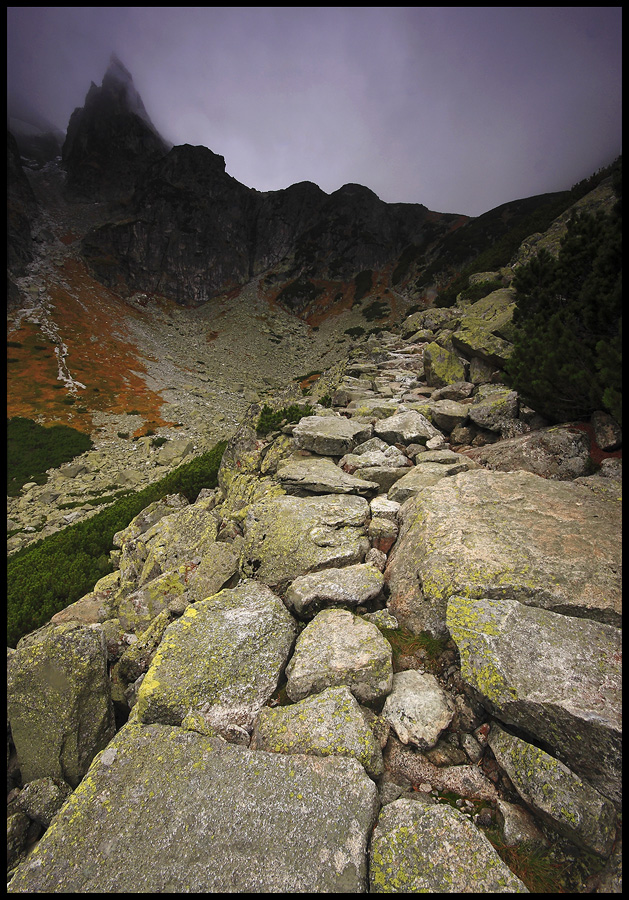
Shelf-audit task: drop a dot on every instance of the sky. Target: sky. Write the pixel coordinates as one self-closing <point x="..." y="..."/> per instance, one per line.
<point x="458" y="108"/>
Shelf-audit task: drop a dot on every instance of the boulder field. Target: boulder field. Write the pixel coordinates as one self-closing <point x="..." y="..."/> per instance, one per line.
<point x="391" y="631"/>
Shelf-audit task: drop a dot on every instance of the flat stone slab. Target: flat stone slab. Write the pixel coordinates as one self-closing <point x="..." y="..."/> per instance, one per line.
<point x="290" y="536"/>
<point x="348" y="587"/>
<point x="330" y="435"/>
<point x="321" y="476"/>
<point x="557" y="677"/>
<point x="421" y="848"/>
<point x="165" y="810"/>
<point x="570" y="805"/>
<point x="551" y="544"/>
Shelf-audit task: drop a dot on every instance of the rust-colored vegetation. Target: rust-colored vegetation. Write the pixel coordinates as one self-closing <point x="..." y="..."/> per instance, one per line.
<point x="90" y="320"/>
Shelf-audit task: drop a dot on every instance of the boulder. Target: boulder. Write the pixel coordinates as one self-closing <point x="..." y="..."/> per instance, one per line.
<point x="223" y="657"/>
<point x="59" y="701"/>
<point x="326" y="724"/>
<point x="347" y="587"/>
<point x="551" y="544"/>
<point x="330" y="435"/>
<point x="494" y="407"/>
<point x="420" y="848"/>
<point x="447" y="414"/>
<point x="138" y="609"/>
<point x="42" y="799"/>
<point x="321" y="476"/>
<point x="167" y="810"/>
<point x="290" y="536"/>
<point x="406" y="428"/>
<point x="442" y="366"/>
<point x="568" y="804"/>
<point x="556" y="677"/>
<point x="486" y="329"/>
<point x="429" y="468"/>
<point x="338" y="648"/>
<point x="559" y="452"/>
<point x="418" y="708"/>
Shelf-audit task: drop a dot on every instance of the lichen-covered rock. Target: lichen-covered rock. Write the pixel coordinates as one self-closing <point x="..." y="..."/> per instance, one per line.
<point x="409" y="427"/>
<point x="223" y="657"/>
<point x="340" y="648"/>
<point x="418" y="708"/>
<point x="556" y="677"/>
<point x="42" y="799"/>
<point x="166" y="810"/>
<point x="551" y="544"/>
<point x="419" y="848"/>
<point x="486" y="329"/>
<point x="321" y="476"/>
<point x="289" y="536"/>
<point x="149" y="516"/>
<point x="442" y="366"/>
<point x="178" y="538"/>
<point x="447" y="414"/>
<point x="349" y="587"/>
<point x="326" y="724"/>
<point x="330" y="435"/>
<point x="558" y="452"/>
<point x="570" y="805"/>
<point x="96" y="606"/>
<point x="494" y="407"/>
<point x="59" y="701"/>
<point x="138" y="609"/>
<point x="430" y="468"/>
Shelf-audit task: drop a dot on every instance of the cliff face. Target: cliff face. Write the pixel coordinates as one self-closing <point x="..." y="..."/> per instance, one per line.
<point x="110" y="140"/>
<point x="195" y="231"/>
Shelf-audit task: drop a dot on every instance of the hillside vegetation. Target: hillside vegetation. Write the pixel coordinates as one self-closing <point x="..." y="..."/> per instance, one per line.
<point x="47" y="576"/>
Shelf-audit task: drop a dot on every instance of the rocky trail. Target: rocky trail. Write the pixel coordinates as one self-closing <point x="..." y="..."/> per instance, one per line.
<point x="369" y="648"/>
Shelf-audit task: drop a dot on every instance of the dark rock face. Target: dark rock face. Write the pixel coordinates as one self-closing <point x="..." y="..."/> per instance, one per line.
<point x="110" y="140"/>
<point x="21" y="207"/>
<point x="197" y="231"/>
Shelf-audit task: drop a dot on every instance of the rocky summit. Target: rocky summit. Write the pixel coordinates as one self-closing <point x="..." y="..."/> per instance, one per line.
<point x="383" y="653"/>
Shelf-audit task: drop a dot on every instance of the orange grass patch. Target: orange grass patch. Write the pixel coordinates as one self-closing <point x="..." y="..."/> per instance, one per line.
<point x="90" y="320"/>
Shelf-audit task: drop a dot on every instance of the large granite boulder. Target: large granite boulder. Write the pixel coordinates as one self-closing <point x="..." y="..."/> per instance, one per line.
<point x="167" y="810"/>
<point x="560" y="797"/>
<point x="287" y="536"/>
<point x="338" y="648"/>
<point x="560" y="452"/>
<point x="550" y="544"/>
<point x="59" y="701"/>
<point x="330" y="435"/>
<point x="348" y="587"/>
<point x="326" y="724"/>
<point x="222" y="658"/>
<point x="556" y="677"/>
<point x="321" y="476"/>
<point x="409" y="427"/>
<point x="442" y="366"/>
<point x="486" y="329"/>
<point x="418" y="848"/>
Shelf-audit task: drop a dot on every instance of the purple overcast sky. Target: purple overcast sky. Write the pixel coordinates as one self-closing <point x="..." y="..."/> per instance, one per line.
<point x="458" y="108"/>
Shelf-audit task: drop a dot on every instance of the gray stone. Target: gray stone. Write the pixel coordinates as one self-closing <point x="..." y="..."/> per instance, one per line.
<point x="424" y="475"/>
<point x="167" y="810"/>
<point x="418" y="708"/>
<point x="350" y="586"/>
<point x="442" y="366"/>
<point x="338" y="648"/>
<point x="518" y="826"/>
<point x="42" y="799"/>
<point x="448" y="414"/>
<point x="223" y="657"/>
<point x="290" y="536"/>
<point x="327" y="724"/>
<point x="321" y="476"/>
<point x="406" y="428"/>
<point x="419" y="848"/>
<point x="559" y="452"/>
<point x="329" y="435"/>
<point x="494" y="407"/>
<point x="556" y="677"/>
<point x="607" y="431"/>
<point x="552" y="544"/>
<point x="570" y="805"/>
<point x="59" y="701"/>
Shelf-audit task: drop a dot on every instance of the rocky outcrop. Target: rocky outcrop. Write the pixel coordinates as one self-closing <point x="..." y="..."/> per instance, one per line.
<point x="110" y="140"/>
<point x="253" y="641"/>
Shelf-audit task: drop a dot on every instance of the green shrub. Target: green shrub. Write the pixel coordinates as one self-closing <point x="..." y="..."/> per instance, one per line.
<point x="376" y="310"/>
<point x="356" y="331"/>
<point x="33" y="448"/>
<point x="49" y="574"/>
<point x="271" y="419"/>
<point x="567" y="358"/>
<point x="363" y="284"/>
